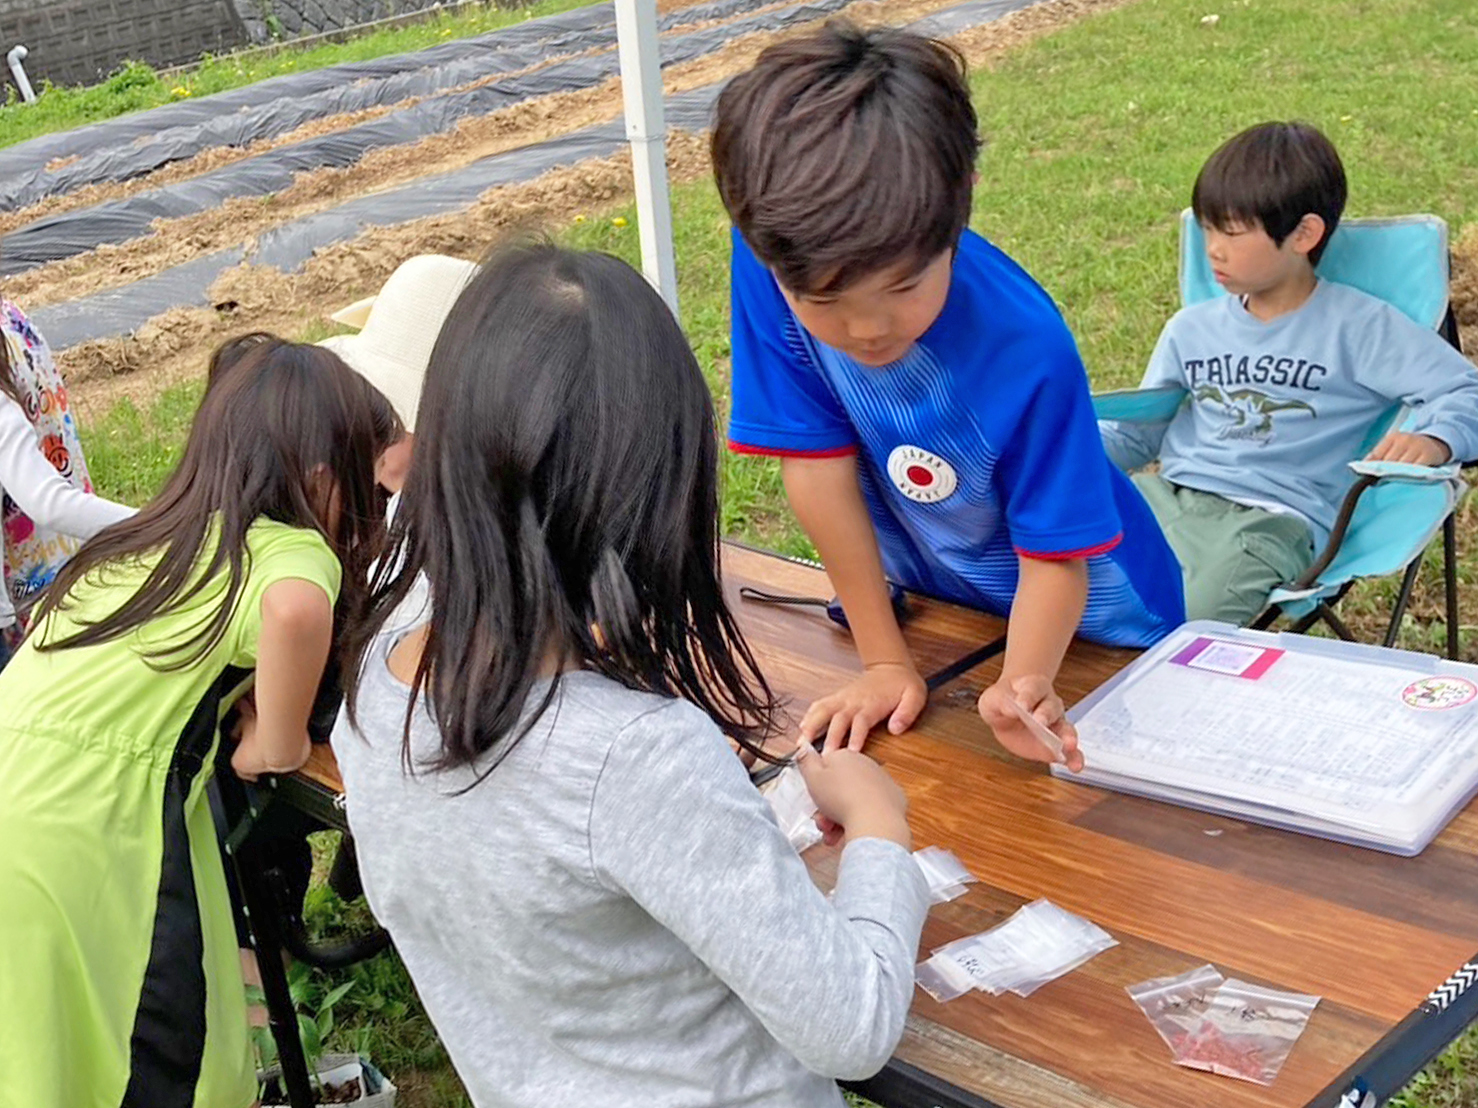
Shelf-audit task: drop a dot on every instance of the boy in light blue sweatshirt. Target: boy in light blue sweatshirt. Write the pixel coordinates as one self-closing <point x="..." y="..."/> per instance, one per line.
<point x="1286" y="377"/>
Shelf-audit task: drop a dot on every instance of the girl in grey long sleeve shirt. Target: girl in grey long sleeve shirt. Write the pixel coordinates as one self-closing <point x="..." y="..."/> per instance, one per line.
<point x="594" y="902"/>
<point x="613" y="916"/>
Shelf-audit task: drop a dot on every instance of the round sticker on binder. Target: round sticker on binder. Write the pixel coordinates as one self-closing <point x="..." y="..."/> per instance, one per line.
<point x="1434" y="694"/>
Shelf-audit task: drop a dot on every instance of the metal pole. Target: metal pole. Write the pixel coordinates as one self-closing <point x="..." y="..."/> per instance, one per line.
<point x="17" y="55"/>
<point x="641" y="87"/>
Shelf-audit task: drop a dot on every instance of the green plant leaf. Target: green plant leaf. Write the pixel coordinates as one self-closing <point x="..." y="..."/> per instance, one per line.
<point x="335" y="996"/>
<point x="312" y="1041"/>
<point x="265" y="1045"/>
<point x="300" y="984"/>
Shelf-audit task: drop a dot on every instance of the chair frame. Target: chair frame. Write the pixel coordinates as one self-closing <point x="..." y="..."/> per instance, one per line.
<point x="1324" y="607"/>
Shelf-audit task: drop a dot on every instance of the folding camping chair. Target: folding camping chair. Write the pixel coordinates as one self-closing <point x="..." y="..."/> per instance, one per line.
<point x="1393" y="510"/>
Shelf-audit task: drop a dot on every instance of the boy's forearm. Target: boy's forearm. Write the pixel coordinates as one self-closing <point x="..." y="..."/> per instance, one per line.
<point x="1050" y="598"/>
<point x="297" y="633"/>
<point x="1131" y="446"/>
<point x="826" y="498"/>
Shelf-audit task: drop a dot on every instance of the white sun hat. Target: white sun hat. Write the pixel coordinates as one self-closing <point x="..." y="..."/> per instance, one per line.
<point x="398" y="327"/>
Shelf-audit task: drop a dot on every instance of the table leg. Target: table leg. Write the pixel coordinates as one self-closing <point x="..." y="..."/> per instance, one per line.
<point x="282" y="1014"/>
<point x="266" y="939"/>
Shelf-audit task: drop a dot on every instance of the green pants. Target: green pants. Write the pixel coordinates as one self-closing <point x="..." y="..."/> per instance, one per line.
<point x="1231" y="556"/>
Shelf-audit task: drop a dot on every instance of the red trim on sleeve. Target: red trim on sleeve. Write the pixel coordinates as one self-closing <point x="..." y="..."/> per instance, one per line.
<point x="772" y="452"/>
<point x="1070" y="555"/>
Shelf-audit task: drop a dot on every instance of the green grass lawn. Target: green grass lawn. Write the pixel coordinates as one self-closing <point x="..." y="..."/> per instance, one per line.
<point x="1094" y="136"/>
<point x="136" y="86"/>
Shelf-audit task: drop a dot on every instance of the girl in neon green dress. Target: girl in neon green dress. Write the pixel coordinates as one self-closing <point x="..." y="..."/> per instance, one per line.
<point x="120" y="982"/>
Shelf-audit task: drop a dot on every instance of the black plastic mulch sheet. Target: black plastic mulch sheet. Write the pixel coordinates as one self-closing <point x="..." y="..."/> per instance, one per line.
<point x="130" y="146"/>
<point x="119" y="311"/>
<point x="123" y="310"/>
<point x="288" y="246"/>
<point x="71" y="233"/>
<point x="961" y="17"/>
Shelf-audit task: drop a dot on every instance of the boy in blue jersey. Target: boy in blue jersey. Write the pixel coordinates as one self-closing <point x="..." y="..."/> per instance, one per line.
<point x="924" y="394"/>
<point x="1286" y="376"/>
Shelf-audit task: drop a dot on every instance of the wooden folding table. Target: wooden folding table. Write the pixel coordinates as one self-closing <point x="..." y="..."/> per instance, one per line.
<point x="1385" y="941"/>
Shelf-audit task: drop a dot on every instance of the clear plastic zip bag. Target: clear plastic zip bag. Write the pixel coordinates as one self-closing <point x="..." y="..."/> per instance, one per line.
<point x="1228" y="1027"/>
<point x="1175" y="1006"/>
<point x="946" y="874"/>
<point x="1037" y="944"/>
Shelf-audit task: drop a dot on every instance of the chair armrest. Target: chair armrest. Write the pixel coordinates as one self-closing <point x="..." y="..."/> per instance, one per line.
<point x="1406" y="471"/>
<point x="1139" y="405"/>
<point x="1310" y="577"/>
<point x="1368" y="474"/>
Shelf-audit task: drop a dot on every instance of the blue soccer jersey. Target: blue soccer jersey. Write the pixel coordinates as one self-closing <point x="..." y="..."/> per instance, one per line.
<point x="979" y="445"/>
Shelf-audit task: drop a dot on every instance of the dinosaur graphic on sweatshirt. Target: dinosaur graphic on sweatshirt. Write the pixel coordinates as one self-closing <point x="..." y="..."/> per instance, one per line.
<point x="1248" y="413"/>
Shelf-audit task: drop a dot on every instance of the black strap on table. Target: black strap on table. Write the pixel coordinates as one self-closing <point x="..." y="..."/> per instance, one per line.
<point x="964" y="665"/>
<point x="770" y="771"/>
<point x="760" y="596"/>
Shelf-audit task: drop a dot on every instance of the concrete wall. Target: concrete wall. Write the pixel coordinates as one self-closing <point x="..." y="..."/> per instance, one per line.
<point x="79" y="41"/>
<point x="75" y="42"/>
<point x="288" y="19"/>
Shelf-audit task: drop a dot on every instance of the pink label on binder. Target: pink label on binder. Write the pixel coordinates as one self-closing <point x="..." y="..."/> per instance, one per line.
<point x="1233" y="659"/>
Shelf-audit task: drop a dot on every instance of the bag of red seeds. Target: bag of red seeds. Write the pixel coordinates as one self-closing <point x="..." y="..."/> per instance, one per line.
<point x="1246" y="1031"/>
<point x="1177" y="1005"/>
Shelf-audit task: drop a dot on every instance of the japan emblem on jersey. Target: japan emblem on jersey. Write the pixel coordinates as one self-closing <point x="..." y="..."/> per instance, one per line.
<point x="920" y="475"/>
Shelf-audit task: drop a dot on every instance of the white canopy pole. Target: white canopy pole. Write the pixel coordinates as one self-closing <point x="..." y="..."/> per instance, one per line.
<point x="641" y="88"/>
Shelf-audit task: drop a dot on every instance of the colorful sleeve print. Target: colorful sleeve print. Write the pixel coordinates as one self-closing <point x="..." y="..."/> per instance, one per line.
<point x="33" y="555"/>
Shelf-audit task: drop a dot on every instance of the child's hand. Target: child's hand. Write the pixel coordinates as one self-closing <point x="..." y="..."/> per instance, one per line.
<point x="1033" y="692"/>
<point x="246" y="758"/>
<point x="249" y="760"/>
<point x="888" y="690"/>
<point x="1419" y="450"/>
<point x="854" y="796"/>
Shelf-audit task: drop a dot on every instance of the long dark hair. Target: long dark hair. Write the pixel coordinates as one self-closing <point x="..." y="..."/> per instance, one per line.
<point x="388" y="427"/>
<point x="282" y="431"/>
<point x="563" y="503"/>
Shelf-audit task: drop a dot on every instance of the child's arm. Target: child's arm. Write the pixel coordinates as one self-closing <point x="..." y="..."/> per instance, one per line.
<point x="1415" y="365"/>
<point x="676" y="825"/>
<point x="1133" y="446"/>
<point x="39" y="490"/>
<point x="1050" y="598"/>
<point x="293" y="648"/>
<point x="827" y="500"/>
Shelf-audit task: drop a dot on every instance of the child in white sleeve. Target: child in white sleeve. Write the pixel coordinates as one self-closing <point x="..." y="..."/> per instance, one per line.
<point x="48" y="503"/>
